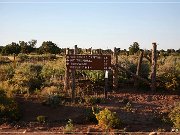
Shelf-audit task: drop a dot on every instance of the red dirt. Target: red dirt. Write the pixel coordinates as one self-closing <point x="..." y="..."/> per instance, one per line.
<point x="142" y="116"/>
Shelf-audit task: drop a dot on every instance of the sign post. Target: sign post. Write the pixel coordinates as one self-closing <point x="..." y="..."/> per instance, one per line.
<point x="88" y="62"/>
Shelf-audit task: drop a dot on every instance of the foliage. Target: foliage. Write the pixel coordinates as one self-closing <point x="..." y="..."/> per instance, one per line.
<point x="52" y="96"/>
<point x="4" y="59"/>
<point x="41" y="118"/>
<point x="12" y="48"/>
<point x="27" y="78"/>
<point x="53" y="70"/>
<point x="90" y="114"/>
<point x="6" y="72"/>
<point x="49" y="47"/>
<point x="128" y="107"/>
<point x="23" y="57"/>
<point x="134" y="48"/>
<point x="53" y="100"/>
<point x="8" y="108"/>
<point x="92" y="100"/>
<point x="107" y="119"/>
<point x="130" y="63"/>
<point x="168" y="73"/>
<point x="69" y="126"/>
<point x="94" y="75"/>
<point x="27" y="47"/>
<point x="174" y="115"/>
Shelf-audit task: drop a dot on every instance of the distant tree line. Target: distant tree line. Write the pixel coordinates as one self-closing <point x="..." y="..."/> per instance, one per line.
<point x="48" y="47"/>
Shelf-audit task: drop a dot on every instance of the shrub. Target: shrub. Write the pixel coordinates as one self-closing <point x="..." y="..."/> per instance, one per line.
<point x="91" y="100"/>
<point x="128" y="107"/>
<point x="69" y="126"/>
<point x="168" y="73"/>
<point x="53" y="70"/>
<point x="130" y="63"/>
<point x="41" y="119"/>
<point x="107" y="119"/>
<point x="52" y="96"/>
<point x="90" y="114"/>
<point x="8" y="108"/>
<point x="28" y="77"/>
<point x="174" y="115"/>
<point x="23" y="57"/>
<point x="6" y="72"/>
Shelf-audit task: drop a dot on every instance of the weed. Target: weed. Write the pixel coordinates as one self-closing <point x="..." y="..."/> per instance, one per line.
<point x="41" y="119"/>
<point x="69" y="127"/>
<point x="174" y="115"/>
<point x="107" y="119"/>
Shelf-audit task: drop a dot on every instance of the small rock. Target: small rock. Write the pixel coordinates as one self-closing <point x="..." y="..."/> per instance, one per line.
<point x="41" y="128"/>
<point x="153" y="133"/>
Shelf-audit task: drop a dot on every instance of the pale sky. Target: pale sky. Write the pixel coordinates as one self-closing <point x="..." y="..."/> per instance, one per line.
<point x="92" y="23"/>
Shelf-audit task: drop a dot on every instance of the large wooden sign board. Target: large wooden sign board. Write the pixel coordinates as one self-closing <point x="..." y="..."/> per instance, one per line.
<point x="88" y="62"/>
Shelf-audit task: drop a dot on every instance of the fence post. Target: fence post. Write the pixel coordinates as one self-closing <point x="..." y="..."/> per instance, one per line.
<point x="115" y="70"/>
<point x="106" y="84"/>
<point x="74" y="77"/>
<point x="136" y="82"/>
<point x="153" y="67"/>
<point x="91" y="51"/>
<point x="66" y="78"/>
<point x="14" y="60"/>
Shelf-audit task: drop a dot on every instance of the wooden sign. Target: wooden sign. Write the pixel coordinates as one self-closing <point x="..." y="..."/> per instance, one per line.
<point x="88" y="62"/>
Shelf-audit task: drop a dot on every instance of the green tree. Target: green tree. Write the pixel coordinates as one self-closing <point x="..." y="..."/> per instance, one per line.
<point x="11" y="49"/>
<point x="27" y="47"/>
<point x="1" y="48"/>
<point x="49" y="47"/>
<point x="134" y="48"/>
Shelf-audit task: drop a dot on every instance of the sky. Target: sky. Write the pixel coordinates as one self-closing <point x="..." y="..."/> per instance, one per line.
<point x="92" y="23"/>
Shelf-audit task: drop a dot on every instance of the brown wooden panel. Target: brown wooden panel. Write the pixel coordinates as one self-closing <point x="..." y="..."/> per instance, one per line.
<point x="88" y="62"/>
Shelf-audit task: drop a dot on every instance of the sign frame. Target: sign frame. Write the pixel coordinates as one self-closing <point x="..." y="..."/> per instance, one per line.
<point x="88" y="62"/>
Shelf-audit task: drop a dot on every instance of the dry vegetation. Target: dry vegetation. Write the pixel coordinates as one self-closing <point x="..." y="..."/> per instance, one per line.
<point x="34" y="86"/>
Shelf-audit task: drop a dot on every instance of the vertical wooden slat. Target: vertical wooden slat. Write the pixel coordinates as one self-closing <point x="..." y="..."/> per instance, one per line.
<point x="66" y="78"/>
<point x="74" y="77"/>
<point x="138" y="71"/>
<point x="153" y="67"/>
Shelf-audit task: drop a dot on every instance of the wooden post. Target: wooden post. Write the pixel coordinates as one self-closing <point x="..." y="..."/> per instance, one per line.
<point x="115" y="71"/>
<point x="74" y="77"/>
<point x="14" y="61"/>
<point x="91" y="51"/>
<point x="153" y="67"/>
<point x="66" y="78"/>
<point x="136" y="82"/>
<point x="106" y="84"/>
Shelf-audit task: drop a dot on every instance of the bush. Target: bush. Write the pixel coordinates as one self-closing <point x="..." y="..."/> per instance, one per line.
<point x="53" y="70"/>
<point x="90" y="114"/>
<point x="168" y="73"/>
<point x="94" y="100"/>
<point x="41" y="119"/>
<point x="6" y="72"/>
<point x="69" y="126"/>
<point x="52" y="96"/>
<point x="28" y="77"/>
<point x="107" y="119"/>
<point x="8" y="108"/>
<point x="174" y="115"/>
<point x="23" y="57"/>
<point x="130" y="63"/>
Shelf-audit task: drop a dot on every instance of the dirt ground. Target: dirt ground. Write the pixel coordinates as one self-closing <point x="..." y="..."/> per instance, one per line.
<point x="142" y="116"/>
